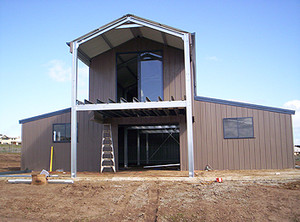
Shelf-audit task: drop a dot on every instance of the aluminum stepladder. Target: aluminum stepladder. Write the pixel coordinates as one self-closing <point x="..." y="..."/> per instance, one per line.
<point x="107" y="149"/>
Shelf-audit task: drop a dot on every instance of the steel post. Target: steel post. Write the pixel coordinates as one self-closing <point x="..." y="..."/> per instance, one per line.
<point x="74" y="111"/>
<point x="189" y="114"/>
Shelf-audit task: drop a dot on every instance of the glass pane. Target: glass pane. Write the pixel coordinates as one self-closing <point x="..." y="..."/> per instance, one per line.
<point x="127" y="76"/>
<point x="59" y="132"/>
<point x="245" y="127"/>
<point x="68" y="132"/>
<point x="151" y="76"/>
<point x="230" y="128"/>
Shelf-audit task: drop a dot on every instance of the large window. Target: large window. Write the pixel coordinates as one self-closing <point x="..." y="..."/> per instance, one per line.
<point x="140" y="75"/>
<point x="62" y="132"/>
<point x="151" y="72"/>
<point x="238" y="128"/>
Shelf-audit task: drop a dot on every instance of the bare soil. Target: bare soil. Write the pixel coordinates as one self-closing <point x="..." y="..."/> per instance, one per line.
<point x="151" y="201"/>
<point x="10" y="161"/>
<point x="157" y="196"/>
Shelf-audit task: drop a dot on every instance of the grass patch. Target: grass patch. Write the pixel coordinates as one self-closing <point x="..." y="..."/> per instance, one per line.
<point x="9" y="146"/>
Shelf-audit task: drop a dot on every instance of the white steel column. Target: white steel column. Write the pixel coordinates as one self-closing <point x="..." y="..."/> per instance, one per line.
<point x="74" y="112"/>
<point x="189" y="114"/>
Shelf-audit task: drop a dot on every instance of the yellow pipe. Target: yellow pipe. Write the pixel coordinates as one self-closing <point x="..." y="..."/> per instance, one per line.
<point x="51" y="158"/>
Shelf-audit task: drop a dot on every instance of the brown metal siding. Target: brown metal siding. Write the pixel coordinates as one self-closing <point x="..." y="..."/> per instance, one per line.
<point x="37" y="140"/>
<point x="102" y="81"/>
<point x="271" y="147"/>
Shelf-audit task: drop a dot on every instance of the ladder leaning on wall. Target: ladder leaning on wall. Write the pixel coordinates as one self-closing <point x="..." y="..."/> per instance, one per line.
<point x="107" y="150"/>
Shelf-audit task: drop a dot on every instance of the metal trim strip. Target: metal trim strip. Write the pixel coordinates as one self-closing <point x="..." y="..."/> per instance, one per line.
<point x="245" y="105"/>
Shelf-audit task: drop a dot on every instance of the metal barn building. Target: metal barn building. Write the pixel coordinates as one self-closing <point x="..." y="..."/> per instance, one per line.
<point x="142" y="84"/>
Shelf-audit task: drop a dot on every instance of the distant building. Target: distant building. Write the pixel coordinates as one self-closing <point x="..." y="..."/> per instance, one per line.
<point x="297" y="150"/>
<point x="10" y="140"/>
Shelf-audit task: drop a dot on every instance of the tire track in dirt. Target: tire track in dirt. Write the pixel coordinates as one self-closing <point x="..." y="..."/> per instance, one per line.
<point x="123" y="203"/>
<point x="153" y="203"/>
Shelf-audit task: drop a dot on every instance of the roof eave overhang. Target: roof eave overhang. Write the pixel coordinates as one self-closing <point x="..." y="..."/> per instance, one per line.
<point x="244" y="105"/>
<point x="119" y="22"/>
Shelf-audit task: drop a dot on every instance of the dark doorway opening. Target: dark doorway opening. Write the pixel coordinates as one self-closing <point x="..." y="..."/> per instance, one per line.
<point x="127" y="76"/>
<point x="148" y="146"/>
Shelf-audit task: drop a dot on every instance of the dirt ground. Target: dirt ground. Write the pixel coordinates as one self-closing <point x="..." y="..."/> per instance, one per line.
<point x="266" y="195"/>
<point x="10" y="161"/>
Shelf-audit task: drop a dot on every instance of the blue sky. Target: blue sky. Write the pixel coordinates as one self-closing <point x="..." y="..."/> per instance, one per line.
<point x="246" y="50"/>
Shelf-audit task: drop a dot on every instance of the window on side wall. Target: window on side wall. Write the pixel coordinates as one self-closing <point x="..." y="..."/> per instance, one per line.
<point x="238" y="128"/>
<point x="61" y="133"/>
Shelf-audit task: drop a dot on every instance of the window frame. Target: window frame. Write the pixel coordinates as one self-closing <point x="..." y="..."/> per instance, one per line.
<point x="64" y="124"/>
<point x="238" y="136"/>
<point x="161" y="51"/>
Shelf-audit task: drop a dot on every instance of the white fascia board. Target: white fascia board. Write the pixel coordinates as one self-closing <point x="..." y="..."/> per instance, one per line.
<point x="103" y="31"/>
<point x="126" y="106"/>
<point x="127" y="26"/>
<point x="156" y="27"/>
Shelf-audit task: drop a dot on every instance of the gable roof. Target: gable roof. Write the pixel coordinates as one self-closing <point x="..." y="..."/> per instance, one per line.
<point x="46" y="115"/>
<point x="122" y="30"/>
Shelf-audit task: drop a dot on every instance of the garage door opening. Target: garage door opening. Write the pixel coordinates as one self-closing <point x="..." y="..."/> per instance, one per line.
<point x="148" y="146"/>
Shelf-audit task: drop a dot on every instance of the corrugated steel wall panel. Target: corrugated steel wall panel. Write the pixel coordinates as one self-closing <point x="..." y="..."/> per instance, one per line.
<point x="37" y="140"/>
<point x="271" y="147"/>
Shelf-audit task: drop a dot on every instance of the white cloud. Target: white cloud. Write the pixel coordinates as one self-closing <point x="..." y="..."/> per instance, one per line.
<point x="212" y="58"/>
<point x="83" y="85"/>
<point x="295" y="105"/>
<point x="60" y="72"/>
